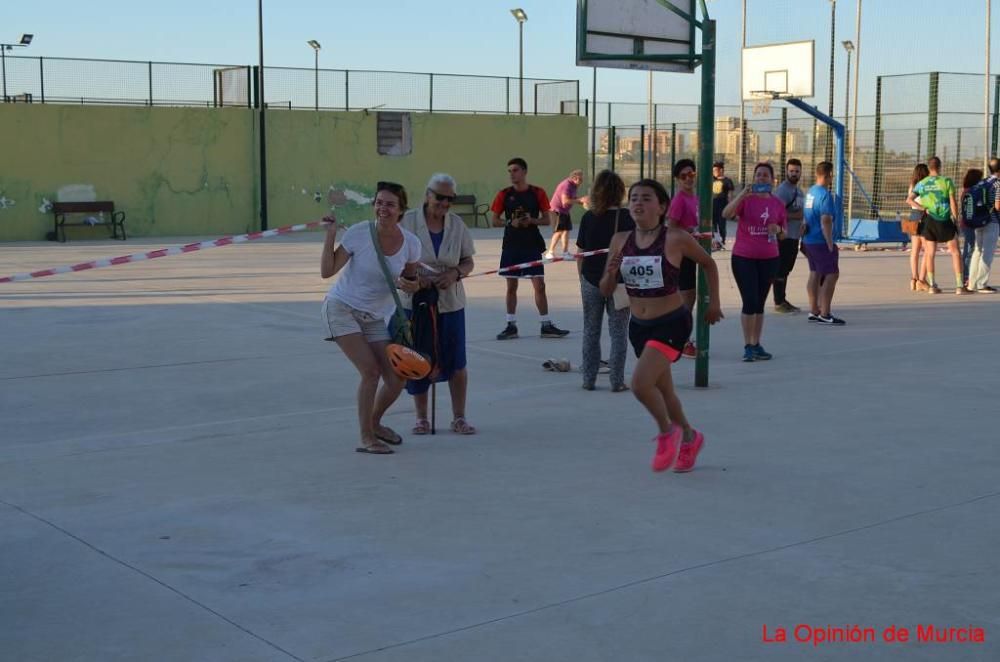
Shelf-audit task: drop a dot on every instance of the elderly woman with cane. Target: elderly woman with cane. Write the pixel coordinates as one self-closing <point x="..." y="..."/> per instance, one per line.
<point x="446" y="256"/>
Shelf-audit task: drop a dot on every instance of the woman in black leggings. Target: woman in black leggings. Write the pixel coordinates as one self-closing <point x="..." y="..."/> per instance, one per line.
<point x="761" y="224"/>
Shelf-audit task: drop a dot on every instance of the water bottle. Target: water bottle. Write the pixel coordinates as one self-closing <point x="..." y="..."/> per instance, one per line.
<point x="771" y="237"/>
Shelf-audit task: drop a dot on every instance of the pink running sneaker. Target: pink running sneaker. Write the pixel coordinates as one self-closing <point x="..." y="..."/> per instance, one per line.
<point x="688" y="453"/>
<point x="666" y="447"/>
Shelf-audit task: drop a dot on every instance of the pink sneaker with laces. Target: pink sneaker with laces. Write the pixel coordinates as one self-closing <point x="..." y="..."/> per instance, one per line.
<point x="666" y="447"/>
<point x="688" y="453"/>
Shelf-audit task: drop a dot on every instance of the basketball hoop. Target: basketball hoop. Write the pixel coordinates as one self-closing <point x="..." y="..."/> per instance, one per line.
<point x="761" y="102"/>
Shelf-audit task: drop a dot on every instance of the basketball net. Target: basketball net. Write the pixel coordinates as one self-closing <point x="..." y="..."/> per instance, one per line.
<point x="761" y="103"/>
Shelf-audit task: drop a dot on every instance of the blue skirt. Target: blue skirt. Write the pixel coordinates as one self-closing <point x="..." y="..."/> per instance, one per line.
<point x="451" y="337"/>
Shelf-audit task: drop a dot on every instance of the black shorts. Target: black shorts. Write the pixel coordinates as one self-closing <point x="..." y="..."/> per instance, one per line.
<point x="565" y="223"/>
<point x="517" y="255"/>
<point x="937" y="231"/>
<point x="667" y="334"/>
<point x="688" y="277"/>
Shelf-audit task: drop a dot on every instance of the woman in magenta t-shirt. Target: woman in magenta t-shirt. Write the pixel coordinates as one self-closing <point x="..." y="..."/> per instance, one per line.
<point x="761" y="224"/>
<point x="683" y="214"/>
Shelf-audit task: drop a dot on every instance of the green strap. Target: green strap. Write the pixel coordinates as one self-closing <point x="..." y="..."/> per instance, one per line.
<point x="402" y="324"/>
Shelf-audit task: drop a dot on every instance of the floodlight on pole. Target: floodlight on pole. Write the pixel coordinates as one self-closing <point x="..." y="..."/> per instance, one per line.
<point x="316" y="49"/>
<point x="24" y="41"/>
<point x="521" y="18"/>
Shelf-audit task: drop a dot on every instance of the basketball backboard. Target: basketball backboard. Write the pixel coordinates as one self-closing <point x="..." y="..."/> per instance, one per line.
<point x="779" y="71"/>
<point x="653" y="35"/>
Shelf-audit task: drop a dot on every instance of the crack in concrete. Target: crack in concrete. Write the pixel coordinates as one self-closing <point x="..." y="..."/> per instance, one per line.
<point x="665" y="575"/>
<point x="152" y="578"/>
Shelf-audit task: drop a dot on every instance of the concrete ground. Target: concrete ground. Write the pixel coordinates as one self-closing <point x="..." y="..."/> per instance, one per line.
<point x="178" y="478"/>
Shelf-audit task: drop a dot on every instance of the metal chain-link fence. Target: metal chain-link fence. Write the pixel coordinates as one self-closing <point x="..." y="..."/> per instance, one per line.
<point x="119" y="82"/>
<point x="917" y="116"/>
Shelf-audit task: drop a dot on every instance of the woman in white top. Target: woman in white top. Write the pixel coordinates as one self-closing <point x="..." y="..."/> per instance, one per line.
<point x="357" y="305"/>
<point x="448" y="250"/>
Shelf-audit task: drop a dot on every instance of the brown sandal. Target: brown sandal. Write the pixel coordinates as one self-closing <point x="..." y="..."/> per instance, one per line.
<point x="375" y="448"/>
<point x="461" y="426"/>
<point x="423" y="426"/>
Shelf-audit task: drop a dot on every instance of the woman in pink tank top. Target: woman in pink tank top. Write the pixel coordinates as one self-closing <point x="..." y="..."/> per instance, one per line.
<point x="648" y="260"/>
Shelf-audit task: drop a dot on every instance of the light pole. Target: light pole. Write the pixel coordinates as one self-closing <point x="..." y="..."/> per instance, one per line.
<point x="262" y="106"/>
<point x="23" y="42"/>
<point x="849" y="47"/>
<point x="833" y="54"/>
<point x="316" y="48"/>
<point x="521" y="19"/>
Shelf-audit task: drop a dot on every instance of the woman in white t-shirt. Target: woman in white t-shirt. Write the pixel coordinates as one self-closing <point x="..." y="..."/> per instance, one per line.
<point x="357" y="305"/>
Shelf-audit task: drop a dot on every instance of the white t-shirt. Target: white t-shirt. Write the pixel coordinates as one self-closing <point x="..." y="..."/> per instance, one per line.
<point x="362" y="284"/>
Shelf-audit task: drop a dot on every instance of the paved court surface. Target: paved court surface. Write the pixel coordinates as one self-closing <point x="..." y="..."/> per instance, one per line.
<point x="178" y="478"/>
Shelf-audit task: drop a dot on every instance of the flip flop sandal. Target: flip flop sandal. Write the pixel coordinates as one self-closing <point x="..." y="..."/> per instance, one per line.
<point x="390" y="437"/>
<point x="461" y="426"/>
<point x="375" y="449"/>
<point x="423" y="426"/>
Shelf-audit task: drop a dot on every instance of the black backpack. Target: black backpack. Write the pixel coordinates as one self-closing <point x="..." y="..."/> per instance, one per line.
<point x="976" y="209"/>
<point x="424" y="326"/>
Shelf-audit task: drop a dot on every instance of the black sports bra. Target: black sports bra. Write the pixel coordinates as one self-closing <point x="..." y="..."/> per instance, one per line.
<point x="646" y="271"/>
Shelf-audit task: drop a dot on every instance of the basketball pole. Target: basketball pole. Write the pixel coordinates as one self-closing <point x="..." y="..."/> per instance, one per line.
<point x="838" y="164"/>
<point x="706" y="149"/>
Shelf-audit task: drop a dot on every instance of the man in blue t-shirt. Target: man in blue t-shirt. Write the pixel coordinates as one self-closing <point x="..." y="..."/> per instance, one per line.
<point x="819" y="247"/>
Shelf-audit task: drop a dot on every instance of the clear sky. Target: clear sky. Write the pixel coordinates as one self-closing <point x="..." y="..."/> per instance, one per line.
<point x="480" y="37"/>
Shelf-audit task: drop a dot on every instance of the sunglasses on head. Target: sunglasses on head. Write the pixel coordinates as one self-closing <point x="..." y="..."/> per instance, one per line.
<point x="441" y="197"/>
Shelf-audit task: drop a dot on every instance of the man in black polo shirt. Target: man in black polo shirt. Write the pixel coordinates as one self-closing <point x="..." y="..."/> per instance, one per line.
<point x="524" y="208"/>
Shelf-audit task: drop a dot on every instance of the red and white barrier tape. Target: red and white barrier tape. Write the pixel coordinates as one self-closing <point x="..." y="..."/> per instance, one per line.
<point x="162" y="252"/>
<point x="239" y="239"/>
<point x="577" y="256"/>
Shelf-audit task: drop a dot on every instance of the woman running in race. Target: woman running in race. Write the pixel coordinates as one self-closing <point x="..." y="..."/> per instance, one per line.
<point x="648" y="260"/>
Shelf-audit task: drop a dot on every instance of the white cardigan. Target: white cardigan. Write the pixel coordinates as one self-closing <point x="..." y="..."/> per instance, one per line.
<point x="455" y="245"/>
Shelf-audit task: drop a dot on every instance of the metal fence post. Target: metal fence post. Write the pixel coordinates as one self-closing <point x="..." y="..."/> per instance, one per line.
<point x="642" y="151"/>
<point x="430" y="102"/>
<point x="877" y="174"/>
<point x="673" y="154"/>
<point x="611" y="146"/>
<point x="743" y="151"/>
<point x="932" y="114"/>
<point x="508" y="95"/>
<point x="250" y="78"/>
<point x="347" y="90"/>
<point x="958" y="154"/>
<point x="783" y="151"/>
<point x="41" y="76"/>
<point x="150" y="84"/>
<point x="996" y="115"/>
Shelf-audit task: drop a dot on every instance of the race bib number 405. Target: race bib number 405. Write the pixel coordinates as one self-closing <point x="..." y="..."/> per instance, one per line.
<point x="643" y="272"/>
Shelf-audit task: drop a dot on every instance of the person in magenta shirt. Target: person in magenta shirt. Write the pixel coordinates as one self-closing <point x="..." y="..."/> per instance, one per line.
<point x="683" y="214"/>
<point x="562" y="203"/>
<point x="761" y="224"/>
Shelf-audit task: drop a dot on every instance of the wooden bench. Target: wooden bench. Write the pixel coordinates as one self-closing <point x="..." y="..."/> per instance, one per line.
<point x="477" y="211"/>
<point x="61" y="209"/>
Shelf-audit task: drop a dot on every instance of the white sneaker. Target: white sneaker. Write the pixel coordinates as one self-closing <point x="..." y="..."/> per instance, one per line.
<point x="568" y="256"/>
<point x="547" y="255"/>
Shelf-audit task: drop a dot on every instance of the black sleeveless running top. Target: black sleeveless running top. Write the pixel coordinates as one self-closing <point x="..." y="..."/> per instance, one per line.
<point x="646" y="271"/>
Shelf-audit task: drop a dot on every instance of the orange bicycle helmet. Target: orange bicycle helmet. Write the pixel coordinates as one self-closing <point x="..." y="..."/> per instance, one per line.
<point x="407" y="363"/>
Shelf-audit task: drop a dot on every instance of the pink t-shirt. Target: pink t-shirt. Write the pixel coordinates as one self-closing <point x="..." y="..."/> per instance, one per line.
<point x="684" y="210"/>
<point x="754" y="213"/>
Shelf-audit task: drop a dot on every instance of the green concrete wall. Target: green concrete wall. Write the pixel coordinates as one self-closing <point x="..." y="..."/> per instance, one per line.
<point x="319" y="151"/>
<point x="187" y="171"/>
<point x="174" y="171"/>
